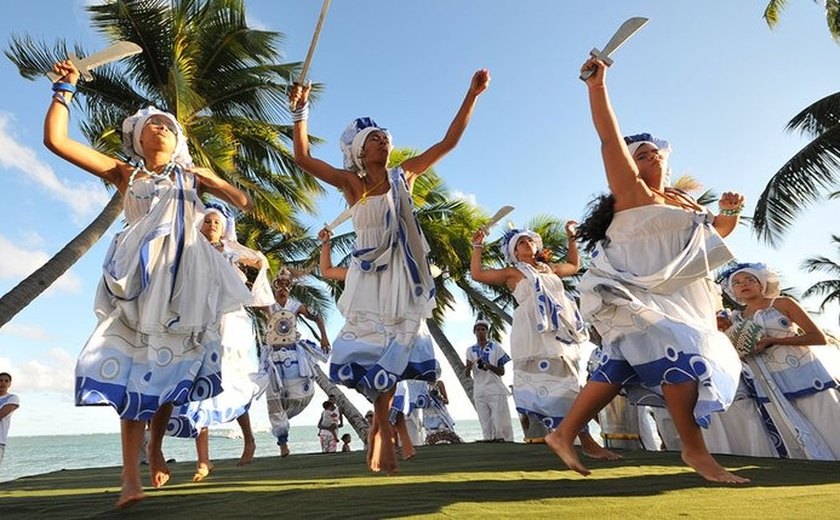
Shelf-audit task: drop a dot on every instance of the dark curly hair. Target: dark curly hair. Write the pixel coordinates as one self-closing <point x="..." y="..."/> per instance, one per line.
<point x="599" y="215"/>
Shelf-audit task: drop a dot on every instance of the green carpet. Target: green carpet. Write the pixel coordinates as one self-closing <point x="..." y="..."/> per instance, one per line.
<point x="465" y="481"/>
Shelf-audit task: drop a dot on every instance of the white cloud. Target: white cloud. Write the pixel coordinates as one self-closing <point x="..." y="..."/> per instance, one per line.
<point x="467" y="197"/>
<point x="52" y="373"/>
<point x="29" y="332"/>
<point x="84" y="198"/>
<point x="18" y="263"/>
<point x="31" y="240"/>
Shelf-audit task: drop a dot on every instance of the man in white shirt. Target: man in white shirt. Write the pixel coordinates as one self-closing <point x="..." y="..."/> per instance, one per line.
<point x="8" y="404"/>
<point x="486" y="359"/>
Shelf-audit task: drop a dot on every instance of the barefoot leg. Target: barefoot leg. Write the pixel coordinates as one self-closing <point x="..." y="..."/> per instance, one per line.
<point x="408" y="451"/>
<point x="594" y="396"/>
<point x="681" y="399"/>
<point x="384" y="453"/>
<point x="131" y="435"/>
<point x="158" y="470"/>
<point x="592" y="449"/>
<point x="203" y="465"/>
<point x="250" y="447"/>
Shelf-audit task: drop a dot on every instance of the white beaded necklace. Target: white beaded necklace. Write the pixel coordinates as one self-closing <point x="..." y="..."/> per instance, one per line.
<point x="164" y="174"/>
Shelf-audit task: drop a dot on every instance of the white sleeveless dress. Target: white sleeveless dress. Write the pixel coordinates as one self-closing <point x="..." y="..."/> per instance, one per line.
<point x="650" y="295"/>
<point x="160" y="301"/>
<point x="388" y="294"/>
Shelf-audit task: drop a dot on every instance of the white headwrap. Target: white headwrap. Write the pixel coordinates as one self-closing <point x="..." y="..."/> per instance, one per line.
<point x="633" y="143"/>
<point x="510" y="239"/>
<point x="352" y="141"/>
<point x="229" y="231"/>
<point x="768" y="279"/>
<point x="481" y="321"/>
<point x="132" y="128"/>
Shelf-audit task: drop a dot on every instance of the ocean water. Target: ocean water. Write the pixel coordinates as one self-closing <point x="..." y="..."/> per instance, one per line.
<point x="47" y="453"/>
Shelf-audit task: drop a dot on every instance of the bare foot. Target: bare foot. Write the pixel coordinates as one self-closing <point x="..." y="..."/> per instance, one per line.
<point x="158" y="470"/>
<point x="202" y="470"/>
<point x="384" y="453"/>
<point x="709" y="469"/>
<point x="408" y="452"/>
<point x="130" y="494"/>
<point x="247" y="452"/>
<point x="563" y="448"/>
<point x="594" y="450"/>
<point x="284" y="450"/>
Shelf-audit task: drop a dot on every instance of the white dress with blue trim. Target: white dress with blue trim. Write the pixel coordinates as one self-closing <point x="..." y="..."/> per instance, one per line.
<point x="650" y="295"/>
<point x="388" y="294"/>
<point x="241" y="380"/>
<point x="545" y="347"/>
<point x="799" y="385"/>
<point x="290" y="370"/>
<point x="159" y="303"/>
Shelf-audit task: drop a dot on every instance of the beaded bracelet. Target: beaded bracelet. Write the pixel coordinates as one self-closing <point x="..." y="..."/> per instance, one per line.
<point x="478" y="246"/>
<point x="734" y="212"/>
<point x="60" y="86"/>
<point x="58" y="96"/>
<point x="301" y="113"/>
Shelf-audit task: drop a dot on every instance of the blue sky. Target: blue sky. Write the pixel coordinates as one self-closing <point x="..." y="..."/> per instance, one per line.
<point x="711" y="77"/>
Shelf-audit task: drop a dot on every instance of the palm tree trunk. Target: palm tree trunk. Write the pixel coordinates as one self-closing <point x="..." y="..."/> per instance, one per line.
<point x="33" y="285"/>
<point x="451" y="356"/>
<point x="498" y="311"/>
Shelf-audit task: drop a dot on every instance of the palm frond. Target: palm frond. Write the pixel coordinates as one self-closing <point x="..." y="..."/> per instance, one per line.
<point x="817" y="118"/>
<point x="773" y="10"/>
<point x="798" y="184"/>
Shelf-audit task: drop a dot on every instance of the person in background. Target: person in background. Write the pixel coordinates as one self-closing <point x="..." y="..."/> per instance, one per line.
<point x="8" y="404"/>
<point x="486" y="363"/>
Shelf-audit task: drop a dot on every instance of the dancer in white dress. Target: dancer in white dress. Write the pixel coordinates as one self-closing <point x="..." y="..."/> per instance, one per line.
<point x="389" y="291"/>
<point x="547" y="328"/>
<point x="794" y="372"/>
<point x="164" y="288"/>
<point x="287" y="360"/>
<point x="649" y="293"/>
<point x="240" y="381"/>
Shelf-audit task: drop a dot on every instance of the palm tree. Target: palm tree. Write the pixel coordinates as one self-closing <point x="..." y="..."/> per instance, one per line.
<point x="220" y="78"/>
<point x="828" y="288"/>
<point x="832" y="15"/>
<point x="806" y="177"/>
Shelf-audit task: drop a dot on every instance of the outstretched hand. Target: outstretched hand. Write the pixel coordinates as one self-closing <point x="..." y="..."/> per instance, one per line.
<point x="571" y="229"/>
<point x="299" y="95"/>
<point x="480" y="82"/>
<point x="478" y="236"/>
<point x="600" y="71"/>
<point x="731" y="201"/>
<point x="68" y="72"/>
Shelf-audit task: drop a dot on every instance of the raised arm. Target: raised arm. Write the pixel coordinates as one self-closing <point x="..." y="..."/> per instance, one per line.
<point x="730" y="205"/>
<point x="622" y="172"/>
<point x="56" y="137"/>
<point x="416" y="165"/>
<point x="329" y="271"/>
<point x="218" y="187"/>
<point x="322" y="330"/>
<point x="488" y="276"/>
<point x="572" y="264"/>
<point x="299" y="103"/>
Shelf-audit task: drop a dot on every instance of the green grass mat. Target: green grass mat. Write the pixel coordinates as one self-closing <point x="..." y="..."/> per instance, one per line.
<point x="465" y="481"/>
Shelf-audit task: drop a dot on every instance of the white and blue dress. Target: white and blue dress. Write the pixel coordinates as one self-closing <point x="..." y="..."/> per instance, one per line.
<point x="160" y="301"/>
<point x="241" y="380"/>
<point x="290" y="370"/>
<point x="545" y="347"/>
<point x="650" y="295"/>
<point x="388" y="294"/>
